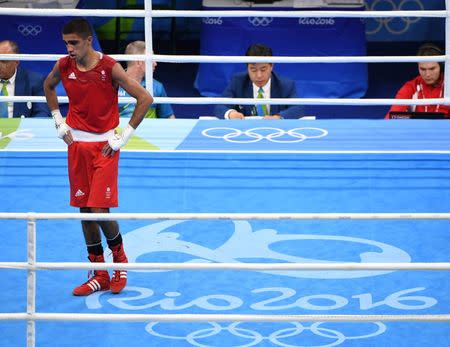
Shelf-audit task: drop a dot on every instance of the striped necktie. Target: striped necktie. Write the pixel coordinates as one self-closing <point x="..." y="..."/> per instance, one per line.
<point x="261" y="109"/>
<point x="4" y="105"/>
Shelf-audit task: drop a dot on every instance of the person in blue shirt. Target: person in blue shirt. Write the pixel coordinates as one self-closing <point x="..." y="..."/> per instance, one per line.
<point x="136" y="70"/>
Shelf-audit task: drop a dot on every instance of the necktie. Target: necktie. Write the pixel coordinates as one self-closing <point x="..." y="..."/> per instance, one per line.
<point x="261" y="109"/>
<point x="4" y="105"/>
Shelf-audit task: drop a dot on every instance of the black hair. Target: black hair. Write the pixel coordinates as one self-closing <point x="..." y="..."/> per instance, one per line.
<point x="259" y="50"/>
<point x="79" y="26"/>
<point x="430" y="49"/>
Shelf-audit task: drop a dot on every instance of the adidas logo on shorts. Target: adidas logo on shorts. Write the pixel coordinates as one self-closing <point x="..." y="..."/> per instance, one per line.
<point x="79" y="193"/>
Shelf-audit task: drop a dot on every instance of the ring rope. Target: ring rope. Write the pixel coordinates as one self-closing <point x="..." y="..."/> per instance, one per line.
<point x="229" y="266"/>
<point x="246" y="101"/>
<point x="164" y="58"/>
<point x="140" y="317"/>
<point x="204" y="13"/>
<point x="301" y="14"/>
<point x="239" y="151"/>
<point x="283" y="59"/>
<point x="33" y="216"/>
<point x="249" y="101"/>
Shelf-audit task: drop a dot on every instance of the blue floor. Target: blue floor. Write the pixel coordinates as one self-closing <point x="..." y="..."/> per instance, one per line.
<point x="162" y="182"/>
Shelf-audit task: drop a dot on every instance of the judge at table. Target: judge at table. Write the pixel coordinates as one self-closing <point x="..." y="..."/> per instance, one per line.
<point x="259" y="82"/>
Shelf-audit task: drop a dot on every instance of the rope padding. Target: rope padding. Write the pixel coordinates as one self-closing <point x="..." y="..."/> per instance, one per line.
<point x="99" y="317"/>
<point x="225" y="216"/>
<point x="250" y="101"/>
<point x="229" y="266"/>
<point x="56" y="12"/>
<point x="164" y="58"/>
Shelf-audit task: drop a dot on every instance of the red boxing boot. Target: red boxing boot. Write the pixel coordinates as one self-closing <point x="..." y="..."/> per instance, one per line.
<point x="119" y="279"/>
<point x="99" y="281"/>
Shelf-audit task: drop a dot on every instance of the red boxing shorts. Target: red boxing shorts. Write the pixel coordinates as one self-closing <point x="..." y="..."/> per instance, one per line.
<point x="93" y="177"/>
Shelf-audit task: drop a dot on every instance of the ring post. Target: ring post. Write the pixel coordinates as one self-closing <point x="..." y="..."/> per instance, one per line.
<point x="31" y="279"/>
<point x="447" y="56"/>
<point x="148" y="46"/>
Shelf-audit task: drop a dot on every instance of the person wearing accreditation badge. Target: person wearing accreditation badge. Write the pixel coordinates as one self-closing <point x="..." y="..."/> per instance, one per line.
<point x="136" y="70"/>
<point x="429" y="84"/>
<point x="91" y="80"/>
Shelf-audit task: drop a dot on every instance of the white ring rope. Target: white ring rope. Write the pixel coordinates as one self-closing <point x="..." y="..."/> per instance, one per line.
<point x="56" y="12"/>
<point x="163" y="58"/>
<point x="243" y="101"/>
<point x="301" y="14"/>
<point x="32" y="216"/>
<point x="240" y="151"/>
<point x="282" y="59"/>
<point x="139" y="317"/>
<point x="230" y="266"/>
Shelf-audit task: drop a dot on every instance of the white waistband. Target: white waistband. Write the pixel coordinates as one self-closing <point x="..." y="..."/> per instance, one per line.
<point x="84" y="136"/>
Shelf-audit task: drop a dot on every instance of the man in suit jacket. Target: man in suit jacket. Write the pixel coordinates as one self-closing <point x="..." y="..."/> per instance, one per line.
<point x="259" y="81"/>
<point x="20" y="82"/>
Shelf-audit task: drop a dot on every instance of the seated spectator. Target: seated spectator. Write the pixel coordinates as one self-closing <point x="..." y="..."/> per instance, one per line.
<point x="15" y="81"/>
<point x="136" y="70"/>
<point x="259" y="81"/>
<point x="429" y="84"/>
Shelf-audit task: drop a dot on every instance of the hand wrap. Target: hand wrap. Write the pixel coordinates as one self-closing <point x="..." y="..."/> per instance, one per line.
<point x="61" y="127"/>
<point x="119" y="140"/>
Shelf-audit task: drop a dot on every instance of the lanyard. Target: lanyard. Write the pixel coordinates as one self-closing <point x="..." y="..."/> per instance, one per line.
<point x="441" y="93"/>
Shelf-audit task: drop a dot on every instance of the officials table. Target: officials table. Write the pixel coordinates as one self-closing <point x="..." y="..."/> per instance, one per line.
<point x="287" y="37"/>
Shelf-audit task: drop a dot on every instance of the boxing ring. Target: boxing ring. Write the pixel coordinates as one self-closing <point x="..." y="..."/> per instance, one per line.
<point x="288" y="233"/>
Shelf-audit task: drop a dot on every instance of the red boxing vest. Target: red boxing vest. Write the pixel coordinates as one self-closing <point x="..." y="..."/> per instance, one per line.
<point x="93" y="101"/>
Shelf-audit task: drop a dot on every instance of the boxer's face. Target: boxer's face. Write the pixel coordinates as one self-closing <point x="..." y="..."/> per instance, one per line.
<point x="77" y="47"/>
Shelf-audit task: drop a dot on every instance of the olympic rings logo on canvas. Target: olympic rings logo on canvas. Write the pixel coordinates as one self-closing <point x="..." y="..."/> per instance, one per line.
<point x="270" y="134"/>
<point x="236" y="329"/>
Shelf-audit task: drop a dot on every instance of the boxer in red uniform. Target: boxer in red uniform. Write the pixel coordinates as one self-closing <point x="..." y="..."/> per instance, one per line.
<point x="91" y="80"/>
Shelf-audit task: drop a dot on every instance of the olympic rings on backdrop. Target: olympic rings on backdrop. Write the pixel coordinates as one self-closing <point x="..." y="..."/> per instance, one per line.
<point x="276" y="135"/>
<point x="260" y="21"/>
<point x="275" y="337"/>
<point x="29" y="29"/>
<point x="387" y="23"/>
